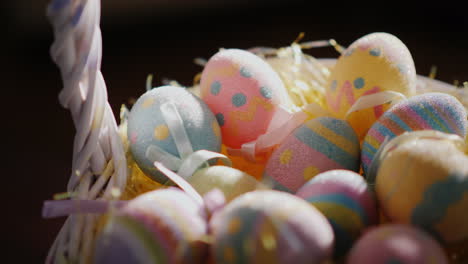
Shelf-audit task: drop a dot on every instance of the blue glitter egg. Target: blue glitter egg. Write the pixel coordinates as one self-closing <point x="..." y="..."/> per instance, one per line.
<point x="147" y="126"/>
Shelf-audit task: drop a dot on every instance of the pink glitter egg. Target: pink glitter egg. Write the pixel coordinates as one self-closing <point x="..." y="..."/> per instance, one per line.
<point x="162" y="226"/>
<point x="243" y="92"/>
<point x="345" y="199"/>
<point x="319" y="145"/>
<point x="396" y="244"/>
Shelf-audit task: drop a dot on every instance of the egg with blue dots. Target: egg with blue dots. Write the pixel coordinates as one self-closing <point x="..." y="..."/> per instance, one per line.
<point x="396" y="243"/>
<point x="424" y="182"/>
<point x="374" y="63"/>
<point x="162" y="226"/>
<point x="319" y="145"/>
<point x="270" y="227"/>
<point x="230" y="181"/>
<point x="430" y="111"/>
<point x="147" y="126"/>
<point x="243" y="92"/>
<point x="346" y="200"/>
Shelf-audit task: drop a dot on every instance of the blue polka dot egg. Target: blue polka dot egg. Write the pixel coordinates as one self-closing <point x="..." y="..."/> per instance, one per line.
<point x="148" y="128"/>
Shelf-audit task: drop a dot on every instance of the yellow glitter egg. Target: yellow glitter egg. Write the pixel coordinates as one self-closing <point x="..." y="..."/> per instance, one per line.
<point x="424" y="182"/>
<point x="374" y="63"/>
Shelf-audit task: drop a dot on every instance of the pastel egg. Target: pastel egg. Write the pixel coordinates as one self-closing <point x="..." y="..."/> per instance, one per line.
<point x="347" y="202"/>
<point x="433" y="111"/>
<point x="163" y="226"/>
<point x="374" y="63"/>
<point x="147" y="126"/>
<point x="390" y="244"/>
<point x="230" y="181"/>
<point x="424" y="182"/>
<point x="243" y="92"/>
<point x="270" y="227"/>
<point x="319" y="145"/>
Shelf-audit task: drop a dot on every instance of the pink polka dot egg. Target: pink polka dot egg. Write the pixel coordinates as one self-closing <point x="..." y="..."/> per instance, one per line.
<point x="319" y="145"/>
<point x="148" y="126"/>
<point x="243" y="92"/>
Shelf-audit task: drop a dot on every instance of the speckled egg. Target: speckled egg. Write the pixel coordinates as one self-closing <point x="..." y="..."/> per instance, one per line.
<point x="243" y="92"/>
<point x="436" y="111"/>
<point x="392" y="244"/>
<point x="230" y="181"/>
<point x="319" y="145"/>
<point x="270" y="227"/>
<point x="147" y="126"/>
<point x="374" y="63"/>
<point x="347" y="202"/>
<point x="163" y="226"/>
<point x="424" y="182"/>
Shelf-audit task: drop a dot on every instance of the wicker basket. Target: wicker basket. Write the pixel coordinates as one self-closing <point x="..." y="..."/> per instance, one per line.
<point x="99" y="166"/>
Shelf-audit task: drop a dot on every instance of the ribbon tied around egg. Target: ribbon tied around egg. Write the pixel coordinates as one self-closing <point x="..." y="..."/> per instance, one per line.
<point x="189" y="160"/>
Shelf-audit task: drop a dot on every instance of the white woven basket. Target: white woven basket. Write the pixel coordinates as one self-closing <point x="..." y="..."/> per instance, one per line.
<point x="99" y="166"/>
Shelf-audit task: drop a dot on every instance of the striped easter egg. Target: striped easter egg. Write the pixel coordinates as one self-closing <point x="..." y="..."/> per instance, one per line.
<point x="345" y="199"/>
<point x="270" y="227"/>
<point x="436" y="111"/>
<point x="396" y="244"/>
<point x="424" y="182"/>
<point x="319" y="145"/>
<point x="163" y="226"/>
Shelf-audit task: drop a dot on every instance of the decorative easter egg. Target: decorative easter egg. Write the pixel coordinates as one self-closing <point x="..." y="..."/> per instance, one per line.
<point x="243" y="92"/>
<point x="373" y="63"/>
<point x="148" y="127"/>
<point x="319" y="145"/>
<point x="390" y="244"/>
<point x="345" y="199"/>
<point x="424" y="182"/>
<point x="230" y="181"/>
<point x="270" y="227"/>
<point x="163" y="226"/>
<point x="436" y="111"/>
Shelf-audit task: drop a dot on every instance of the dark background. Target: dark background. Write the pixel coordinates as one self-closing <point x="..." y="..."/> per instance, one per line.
<point x="163" y="37"/>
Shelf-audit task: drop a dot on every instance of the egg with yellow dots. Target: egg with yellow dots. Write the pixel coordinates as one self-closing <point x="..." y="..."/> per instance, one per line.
<point x="374" y="63"/>
<point x="147" y="126"/>
<point x="270" y="227"/>
<point x="423" y="181"/>
<point x="319" y="145"/>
